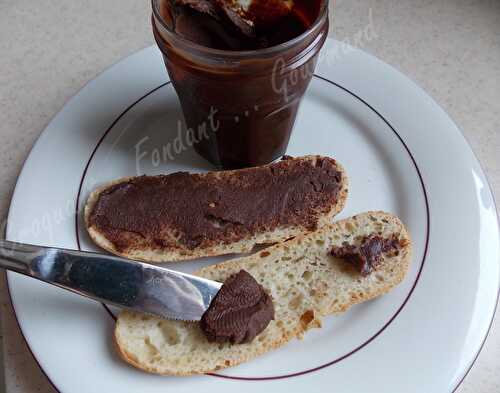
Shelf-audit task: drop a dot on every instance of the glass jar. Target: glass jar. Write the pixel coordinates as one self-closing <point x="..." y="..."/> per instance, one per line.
<point x="240" y="105"/>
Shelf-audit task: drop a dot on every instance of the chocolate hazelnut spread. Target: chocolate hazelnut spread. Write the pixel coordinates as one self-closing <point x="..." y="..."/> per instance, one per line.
<point x="251" y="68"/>
<point x="229" y="25"/>
<point x="199" y="210"/>
<point x="368" y="254"/>
<point x="239" y="312"/>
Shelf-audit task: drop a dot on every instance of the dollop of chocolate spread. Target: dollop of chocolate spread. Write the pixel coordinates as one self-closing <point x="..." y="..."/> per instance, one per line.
<point x="368" y="254"/>
<point x="240" y="311"/>
<point x="188" y="211"/>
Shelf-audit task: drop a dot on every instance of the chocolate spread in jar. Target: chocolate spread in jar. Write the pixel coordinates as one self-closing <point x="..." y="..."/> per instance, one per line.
<point x="234" y="25"/>
<point x="190" y="210"/>
<point x="239" y="312"/>
<point x="368" y="254"/>
<point x="241" y="96"/>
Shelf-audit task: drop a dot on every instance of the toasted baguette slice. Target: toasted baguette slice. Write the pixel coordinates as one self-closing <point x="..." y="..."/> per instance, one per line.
<point x="306" y="283"/>
<point x="219" y="235"/>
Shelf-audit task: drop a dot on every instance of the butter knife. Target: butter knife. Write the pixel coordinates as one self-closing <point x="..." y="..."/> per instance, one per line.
<point x="108" y="279"/>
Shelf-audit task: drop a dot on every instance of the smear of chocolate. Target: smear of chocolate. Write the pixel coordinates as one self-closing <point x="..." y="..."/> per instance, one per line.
<point x="192" y="211"/>
<point x="240" y="311"/>
<point x="367" y="256"/>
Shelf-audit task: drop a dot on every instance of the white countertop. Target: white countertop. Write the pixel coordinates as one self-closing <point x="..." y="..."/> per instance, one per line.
<point x="51" y="49"/>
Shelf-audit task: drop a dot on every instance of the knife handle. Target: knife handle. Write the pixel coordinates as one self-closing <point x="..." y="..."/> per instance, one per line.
<point x="18" y="256"/>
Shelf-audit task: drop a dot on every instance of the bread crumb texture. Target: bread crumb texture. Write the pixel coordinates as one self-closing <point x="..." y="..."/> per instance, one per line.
<point x="305" y="282"/>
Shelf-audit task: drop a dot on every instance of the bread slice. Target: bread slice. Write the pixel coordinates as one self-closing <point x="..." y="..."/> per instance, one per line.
<point x="305" y="282"/>
<point x="166" y="244"/>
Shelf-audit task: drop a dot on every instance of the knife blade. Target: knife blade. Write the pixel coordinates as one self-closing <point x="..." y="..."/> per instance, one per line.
<point x="108" y="279"/>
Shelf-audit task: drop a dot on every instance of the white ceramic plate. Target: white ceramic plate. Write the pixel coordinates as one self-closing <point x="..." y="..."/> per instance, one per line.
<point x="402" y="154"/>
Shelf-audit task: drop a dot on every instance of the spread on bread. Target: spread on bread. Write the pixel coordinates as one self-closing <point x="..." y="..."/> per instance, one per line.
<point x="187" y="212"/>
<point x="367" y="255"/>
<point x="241" y="310"/>
<point x="306" y="285"/>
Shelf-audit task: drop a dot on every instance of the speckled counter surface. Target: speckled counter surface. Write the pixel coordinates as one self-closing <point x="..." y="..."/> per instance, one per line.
<point x="49" y="50"/>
